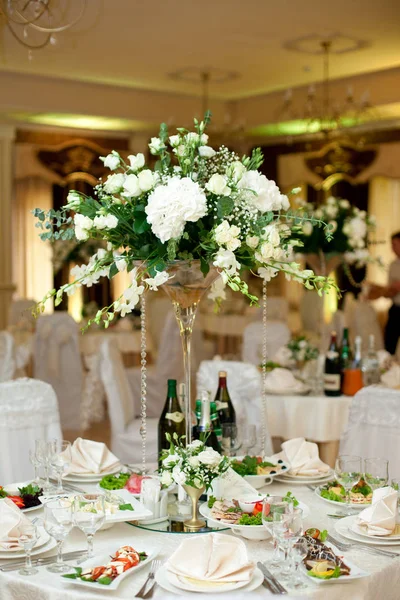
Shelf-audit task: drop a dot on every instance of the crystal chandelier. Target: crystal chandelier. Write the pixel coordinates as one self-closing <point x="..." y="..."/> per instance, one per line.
<point x="35" y="23"/>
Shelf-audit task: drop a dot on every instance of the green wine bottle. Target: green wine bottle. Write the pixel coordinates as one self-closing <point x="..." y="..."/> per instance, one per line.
<point x="332" y="383"/>
<point x="226" y="412"/>
<point x="203" y="430"/>
<point x="216" y="425"/>
<point x="172" y="419"/>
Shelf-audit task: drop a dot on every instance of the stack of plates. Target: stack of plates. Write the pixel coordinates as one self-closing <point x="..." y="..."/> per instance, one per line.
<point x="180" y="585"/>
<point x="349" y="529"/>
<point x="43" y="544"/>
<point x="90" y="477"/>
<point x="305" y="479"/>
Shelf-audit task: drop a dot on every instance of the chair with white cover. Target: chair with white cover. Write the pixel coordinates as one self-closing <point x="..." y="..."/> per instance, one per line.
<point x="126" y="442"/>
<point x="7" y="356"/>
<point x="278" y="309"/>
<point x="373" y="429"/>
<point x="57" y="360"/>
<point x="365" y="323"/>
<point x="29" y="411"/>
<point x="338" y="324"/>
<point x="20" y="311"/>
<point x="245" y="389"/>
<point x="278" y="335"/>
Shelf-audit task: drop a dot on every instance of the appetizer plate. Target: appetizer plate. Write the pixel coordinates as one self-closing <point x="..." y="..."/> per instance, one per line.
<point x="6" y="555"/>
<point x="344" y="528"/>
<point x="90" y="477"/>
<point x="354" y="505"/>
<point x="164" y="579"/>
<point x="43" y="538"/>
<point x="355" y="573"/>
<point x="12" y="489"/>
<point x="103" y="559"/>
<point x="259" y="481"/>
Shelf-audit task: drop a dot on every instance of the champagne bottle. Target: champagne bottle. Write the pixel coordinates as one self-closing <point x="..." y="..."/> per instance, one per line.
<point x="332" y="383"/>
<point x="370" y="366"/>
<point x="345" y="355"/>
<point x="226" y="412"/>
<point x="172" y="419"/>
<point x="203" y="430"/>
<point x="357" y="360"/>
<point x="216" y="425"/>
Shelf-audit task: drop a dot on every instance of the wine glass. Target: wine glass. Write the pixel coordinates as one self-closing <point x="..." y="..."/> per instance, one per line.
<point x="60" y="460"/>
<point x="58" y="523"/>
<point x="42" y="452"/>
<point x="299" y="553"/>
<point x="249" y="438"/>
<point x="27" y="541"/>
<point x="347" y="474"/>
<point x="272" y="504"/>
<point x="376" y="472"/>
<point x="35" y="462"/>
<point x="89" y="516"/>
<point x="294" y="530"/>
<point x="230" y="439"/>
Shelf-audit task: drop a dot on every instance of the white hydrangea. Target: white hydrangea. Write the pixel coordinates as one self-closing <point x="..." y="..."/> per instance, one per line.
<point x="105" y="221"/>
<point x="114" y="183"/>
<point x="172" y="205"/>
<point x="137" y="161"/>
<point x="263" y="193"/>
<point x="356" y="228"/>
<point x="82" y="226"/>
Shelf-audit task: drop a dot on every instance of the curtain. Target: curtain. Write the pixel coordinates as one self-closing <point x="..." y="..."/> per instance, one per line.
<point x="32" y="265"/>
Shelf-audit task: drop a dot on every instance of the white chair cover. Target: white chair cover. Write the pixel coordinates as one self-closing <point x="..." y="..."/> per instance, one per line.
<point x="126" y="442"/>
<point x="365" y="323"/>
<point x="20" y="311"/>
<point x="29" y="411"/>
<point x="245" y="389"/>
<point x="338" y="324"/>
<point x="278" y="335"/>
<point x="57" y="360"/>
<point x="7" y="360"/>
<point x="373" y="429"/>
<point x="278" y="309"/>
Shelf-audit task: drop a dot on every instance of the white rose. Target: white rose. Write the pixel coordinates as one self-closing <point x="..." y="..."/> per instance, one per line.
<point x="82" y="225"/>
<point x="357" y="227"/>
<point x="73" y="199"/>
<point x="331" y="200"/>
<point x="105" y="222"/>
<point x="194" y="461"/>
<point x="236" y="170"/>
<point x="146" y="180"/>
<point x="156" y="145"/>
<point x="178" y="476"/>
<point x="225" y="259"/>
<point x="271" y="233"/>
<point x="174" y="140"/>
<point x="171" y="459"/>
<point x="217" y="185"/>
<point x="344" y="204"/>
<point x="192" y="137"/>
<point x="307" y="228"/>
<point x="166" y="478"/>
<point x="111" y="161"/>
<point x="114" y="183"/>
<point x="209" y="457"/>
<point x="233" y="244"/>
<point x="137" y="161"/>
<point x="261" y="192"/>
<point x="196" y="444"/>
<point x="206" y="151"/>
<point x="131" y="186"/>
<point x="267" y="250"/>
<point x="204" y="138"/>
<point x="252" y="241"/>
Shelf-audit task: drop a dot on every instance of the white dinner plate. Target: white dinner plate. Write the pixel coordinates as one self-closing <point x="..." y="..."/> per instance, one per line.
<point x="344" y="528"/>
<point x="36" y="551"/>
<point x="259" y="481"/>
<point x="355" y="573"/>
<point x="354" y="505"/>
<point x="300" y="391"/>
<point x="101" y="560"/>
<point x="43" y="538"/>
<point x="162" y="578"/>
<point x="301" y="479"/>
<point x="360" y="531"/>
<point x="12" y="489"/>
<point x="90" y="477"/>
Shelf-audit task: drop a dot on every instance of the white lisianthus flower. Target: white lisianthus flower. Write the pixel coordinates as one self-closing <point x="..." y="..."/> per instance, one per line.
<point x="73" y="200"/>
<point x="82" y="226"/>
<point x="307" y="228"/>
<point x="105" y="221"/>
<point x="344" y="204"/>
<point x="170" y="206"/>
<point x="252" y="241"/>
<point x="166" y="478"/>
<point x="196" y="444"/>
<point x="204" y="138"/>
<point x="171" y="459"/>
<point x="131" y="186"/>
<point x="156" y="145"/>
<point x="178" y="476"/>
<point x="236" y="170"/>
<point x="111" y="161"/>
<point x="217" y="185"/>
<point x="271" y="233"/>
<point x="146" y="180"/>
<point x="137" y="161"/>
<point x="192" y="137"/>
<point x="154" y="282"/>
<point x="206" y="151"/>
<point x="262" y="193"/>
<point x="194" y="461"/>
<point x="174" y="140"/>
<point x="180" y="150"/>
<point x="267" y="273"/>
<point x="226" y="260"/>
<point x="131" y="298"/>
<point x="114" y="183"/>
<point x="217" y="291"/>
<point x="209" y="457"/>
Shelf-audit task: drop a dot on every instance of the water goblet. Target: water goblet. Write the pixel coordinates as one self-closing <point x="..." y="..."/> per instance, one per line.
<point x="272" y="504"/>
<point x="249" y="438"/>
<point x="58" y="523"/>
<point x="35" y="462"/>
<point x="27" y="541"/>
<point x="43" y="452"/>
<point x="376" y="472"/>
<point x="89" y="516"/>
<point x="288" y="528"/>
<point x="299" y="553"/>
<point x="230" y="439"/>
<point x="60" y="460"/>
<point x="347" y="474"/>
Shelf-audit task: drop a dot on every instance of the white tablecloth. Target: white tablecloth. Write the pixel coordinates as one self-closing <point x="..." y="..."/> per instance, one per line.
<point x="383" y="583"/>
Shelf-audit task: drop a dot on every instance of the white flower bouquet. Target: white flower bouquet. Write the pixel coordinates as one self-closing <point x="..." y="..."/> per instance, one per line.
<point x="196" y="465"/>
<point x="197" y="204"/>
<point x="301" y="349"/>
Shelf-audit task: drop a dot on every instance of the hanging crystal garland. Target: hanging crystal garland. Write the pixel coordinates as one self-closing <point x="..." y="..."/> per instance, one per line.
<point x="264" y="369"/>
<point x="143" y="379"/>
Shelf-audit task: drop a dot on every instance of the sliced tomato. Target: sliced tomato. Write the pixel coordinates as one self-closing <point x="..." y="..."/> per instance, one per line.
<point x="257" y="508"/>
<point x="18" y="501"/>
<point x="97" y="572"/>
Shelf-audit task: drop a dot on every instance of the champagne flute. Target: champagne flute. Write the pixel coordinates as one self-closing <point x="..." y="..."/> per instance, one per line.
<point x="58" y="523"/>
<point x="347" y="474"/>
<point x="42" y="451"/>
<point x="60" y="460"/>
<point x="89" y="516"/>
<point x="271" y="505"/>
<point x="376" y="472"/>
<point x="27" y="540"/>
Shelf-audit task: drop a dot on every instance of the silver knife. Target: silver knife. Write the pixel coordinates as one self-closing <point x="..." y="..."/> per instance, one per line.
<point x="271" y="579"/>
<point x="42" y="561"/>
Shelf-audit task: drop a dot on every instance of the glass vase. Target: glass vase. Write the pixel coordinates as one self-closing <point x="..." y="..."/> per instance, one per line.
<point x="185" y="288"/>
<point x="194" y="524"/>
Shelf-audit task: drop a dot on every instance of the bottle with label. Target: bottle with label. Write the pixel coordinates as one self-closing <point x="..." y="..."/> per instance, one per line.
<point x="226" y="412"/>
<point x="332" y="370"/>
<point x="370" y="366"/>
<point x="203" y="430"/>
<point x="353" y="377"/>
<point x="172" y="419"/>
<point x="216" y="425"/>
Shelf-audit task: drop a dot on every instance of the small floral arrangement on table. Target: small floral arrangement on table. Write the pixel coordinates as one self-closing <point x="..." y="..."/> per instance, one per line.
<point x="196" y="465"/>
<point x="301" y="350"/>
<point x="197" y="204"/>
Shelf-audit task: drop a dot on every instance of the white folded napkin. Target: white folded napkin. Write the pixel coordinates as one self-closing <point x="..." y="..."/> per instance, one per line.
<point x="88" y="456"/>
<point x="212" y="557"/>
<point x="385" y="359"/>
<point x="303" y="458"/>
<point x="231" y="486"/>
<point x="13" y="523"/>
<point x="284" y="357"/>
<point x="391" y="378"/>
<point x="283" y="380"/>
<point x="380" y="518"/>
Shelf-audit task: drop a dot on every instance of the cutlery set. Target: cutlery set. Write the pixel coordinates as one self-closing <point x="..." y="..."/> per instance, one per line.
<point x="346" y="547"/>
<point x="271" y="582"/>
<point x="142" y="593"/>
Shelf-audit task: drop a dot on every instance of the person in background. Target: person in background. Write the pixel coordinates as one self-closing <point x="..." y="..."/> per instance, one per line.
<point x="392" y="331"/>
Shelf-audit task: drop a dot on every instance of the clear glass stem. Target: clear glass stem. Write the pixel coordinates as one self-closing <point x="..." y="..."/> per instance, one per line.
<point x="348" y="509"/>
<point x="46" y="475"/>
<point x="59" y="482"/>
<point x="36" y="472"/>
<point x="28" y="560"/>
<point x="60" y="544"/>
<point x="276" y="553"/>
<point x="89" y="537"/>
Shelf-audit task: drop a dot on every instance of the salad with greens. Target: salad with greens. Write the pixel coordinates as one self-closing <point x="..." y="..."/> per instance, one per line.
<point x="256" y="465"/>
<point x="360" y="494"/>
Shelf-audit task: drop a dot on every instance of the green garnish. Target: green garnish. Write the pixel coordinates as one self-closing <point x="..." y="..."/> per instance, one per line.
<point x="233" y="509"/>
<point x="114" y="482"/>
<point x="31" y="490"/>
<point x="211" y="501"/>
<point x="323" y="535"/>
<point x="290" y="498"/>
<point x="142" y="556"/>
<point x="3" y="493"/>
<point x="247" y="519"/>
<point x="332" y="496"/>
<point x="104" y="580"/>
<point x="126" y="507"/>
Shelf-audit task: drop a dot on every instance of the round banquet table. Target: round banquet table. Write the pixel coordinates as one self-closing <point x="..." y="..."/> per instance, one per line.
<point x="383" y="582"/>
<point x="320" y="419"/>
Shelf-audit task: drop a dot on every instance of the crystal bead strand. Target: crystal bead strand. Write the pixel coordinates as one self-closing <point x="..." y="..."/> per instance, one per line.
<point x="143" y="379"/>
<point x="264" y="368"/>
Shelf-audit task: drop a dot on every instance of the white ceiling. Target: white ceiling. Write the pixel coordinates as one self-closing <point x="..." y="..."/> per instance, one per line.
<point x="137" y="43"/>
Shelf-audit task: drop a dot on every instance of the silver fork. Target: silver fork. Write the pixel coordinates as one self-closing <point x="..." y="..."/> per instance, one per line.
<point x="344" y="547"/>
<point x="154" y="566"/>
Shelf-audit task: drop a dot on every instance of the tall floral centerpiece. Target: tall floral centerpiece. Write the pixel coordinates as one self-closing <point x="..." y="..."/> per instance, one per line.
<point x="196" y="219"/>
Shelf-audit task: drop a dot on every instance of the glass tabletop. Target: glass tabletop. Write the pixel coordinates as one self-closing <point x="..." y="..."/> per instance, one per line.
<point x="171" y="525"/>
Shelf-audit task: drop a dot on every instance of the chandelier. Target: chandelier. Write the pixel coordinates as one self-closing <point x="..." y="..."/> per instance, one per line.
<point x="35" y="23"/>
<point x="320" y="112"/>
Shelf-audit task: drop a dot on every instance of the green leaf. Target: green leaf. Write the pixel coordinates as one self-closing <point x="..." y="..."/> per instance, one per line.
<point x="204" y="266"/>
<point x="140" y="224"/>
<point x="224" y="207"/>
<point x="104" y="580"/>
<point x="113" y="271"/>
<point x="126" y="507"/>
<point x="71" y="576"/>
